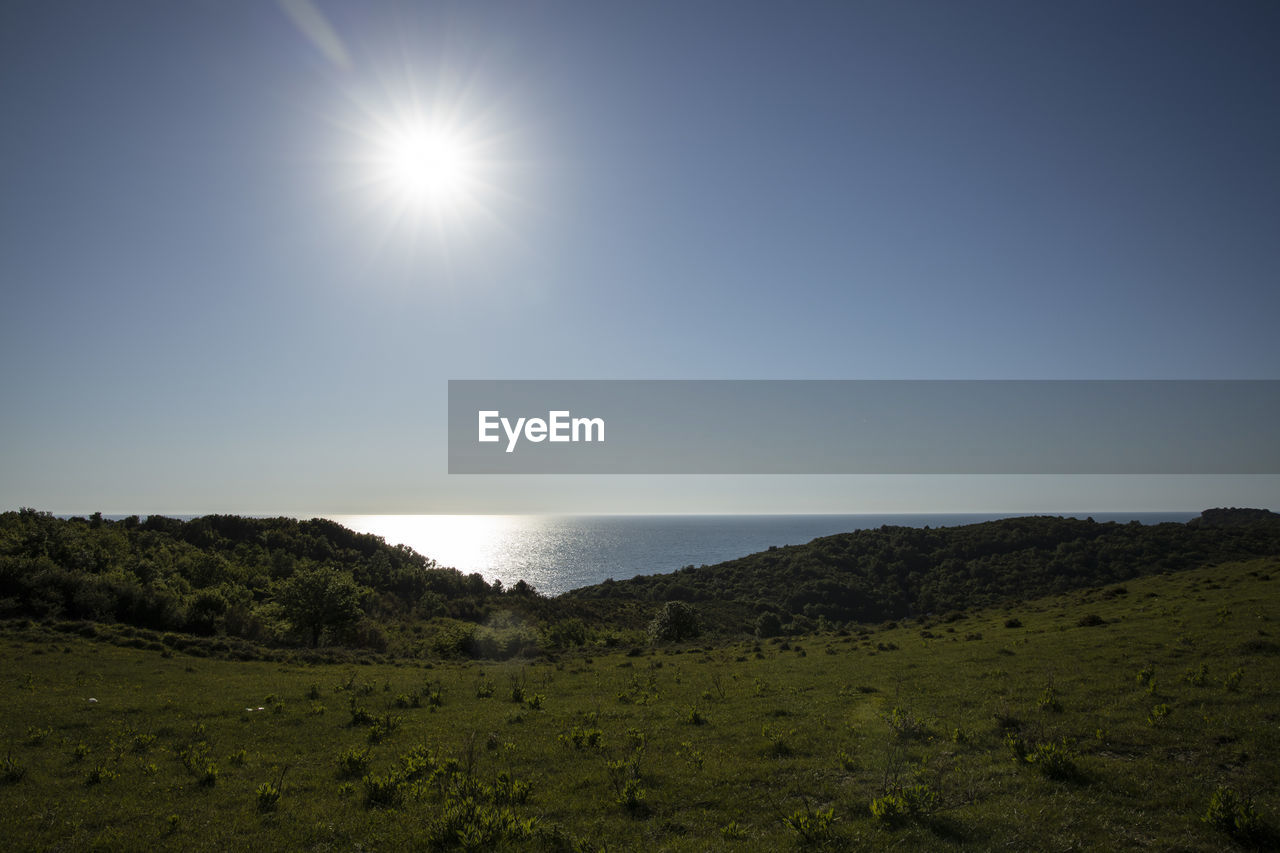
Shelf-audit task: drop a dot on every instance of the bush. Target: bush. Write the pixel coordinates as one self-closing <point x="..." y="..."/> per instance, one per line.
<point x="1230" y="813"/>
<point x="354" y="763"/>
<point x="676" y="621"/>
<point x="810" y="827"/>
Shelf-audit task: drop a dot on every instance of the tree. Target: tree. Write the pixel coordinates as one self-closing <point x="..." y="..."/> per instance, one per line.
<point x="676" y="621"/>
<point x="319" y="598"/>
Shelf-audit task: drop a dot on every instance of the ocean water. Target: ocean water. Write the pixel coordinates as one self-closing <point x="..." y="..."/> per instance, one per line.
<point x="559" y="553"/>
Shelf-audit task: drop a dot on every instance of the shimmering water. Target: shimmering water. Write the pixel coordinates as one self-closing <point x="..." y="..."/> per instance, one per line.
<point x="559" y="553"/>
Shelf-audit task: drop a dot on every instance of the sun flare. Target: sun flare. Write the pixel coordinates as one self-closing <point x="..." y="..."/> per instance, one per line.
<point x="435" y="168"/>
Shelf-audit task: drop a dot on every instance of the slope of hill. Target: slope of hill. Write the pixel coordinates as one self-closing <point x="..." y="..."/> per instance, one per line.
<point x="892" y="572"/>
<point x="1140" y="715"/>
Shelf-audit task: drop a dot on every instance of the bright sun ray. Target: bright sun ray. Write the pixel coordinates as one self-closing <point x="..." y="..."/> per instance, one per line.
<point x="428" y="168"/>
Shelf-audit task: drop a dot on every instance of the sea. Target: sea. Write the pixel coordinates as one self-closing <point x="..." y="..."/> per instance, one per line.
<point x="557" y="553"/>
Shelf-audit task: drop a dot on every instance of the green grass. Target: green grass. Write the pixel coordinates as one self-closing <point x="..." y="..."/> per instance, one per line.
<point x="967" y="734"/>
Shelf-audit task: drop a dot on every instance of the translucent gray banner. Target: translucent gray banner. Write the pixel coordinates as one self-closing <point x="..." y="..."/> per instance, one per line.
<point x="1225" y="427"/>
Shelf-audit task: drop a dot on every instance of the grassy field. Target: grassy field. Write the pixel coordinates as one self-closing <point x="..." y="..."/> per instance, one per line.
<point x="1144" y="715"/>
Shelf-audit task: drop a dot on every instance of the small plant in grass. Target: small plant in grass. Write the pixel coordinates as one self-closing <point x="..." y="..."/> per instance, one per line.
<point x="1054" y="760"/>
<point x="1006" y="720"/>
<point x="384" y="727"/>
<point x="534" y="702"/>
<point x="354" y="762"/>
<point x="1197" y="677"/>
<point x="81" y="752"/>
<point x="517" y="689"/>
<point x="36" y="736"/>
<point x="580" y="737"/>
<point x="383" y="792"/>
<point x="316" y="710"/>
<point x="268" y="797"/>
<point x="904" y="802"/>
<point x="1017" y="747"/>
<point x="1013" y="622"/>
<point x="268" y="793"/>
<point x="624" y="775"/>
<point x="1048" y="700"/>
<point x="100" y="774"/>
<point x="811" y="827"/>
<point x="694" y="717"/>
<point x="687" y="751"/>
<point x="360" y="715"/>
<point x="1232" y="681"/>
<point x="141" y="743"/>
<point x="238" y="758"/>
<point x="847" y="761"/>
<point x="1234" y="815"/>
<point x="10" y="770"/>
<point x="1146" y="677"/>
<point x="905" y="725"/>
<point x="779" y="740"/>
<point x="485" y="688"/>
<point x="506" y="790"/>
<point x="173" y="821"/>
<point x="1158" y="714"/>
<point x="731" y="831"/>
<point x="404" y="700"/>
<point x="313" y="692"/>
<point x="416" y="764"/>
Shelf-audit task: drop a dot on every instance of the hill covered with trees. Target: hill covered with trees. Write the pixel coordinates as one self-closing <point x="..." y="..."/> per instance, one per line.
<point x="281" y="582"/>
<point x="895" y="572"/>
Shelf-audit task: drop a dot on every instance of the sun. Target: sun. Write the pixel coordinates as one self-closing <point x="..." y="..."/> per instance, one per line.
<point x="428" y="167"/>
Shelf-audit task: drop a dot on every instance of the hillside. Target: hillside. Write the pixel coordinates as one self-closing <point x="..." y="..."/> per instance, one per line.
<point x="869" y="576"/>
<point x="245" y="586"/>
<point x="1132" y="716"/>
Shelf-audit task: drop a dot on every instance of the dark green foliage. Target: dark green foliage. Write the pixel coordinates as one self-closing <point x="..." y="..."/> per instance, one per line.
<point x="229" y="575"/>
<point x="320" y="598"/>
<point x="676" y="621"/>
<point x="889" y="573"/>
<point x="1234" y="815"/>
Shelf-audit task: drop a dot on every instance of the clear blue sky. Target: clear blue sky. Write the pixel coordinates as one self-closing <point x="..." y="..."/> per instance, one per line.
<point x="217" y="297"/>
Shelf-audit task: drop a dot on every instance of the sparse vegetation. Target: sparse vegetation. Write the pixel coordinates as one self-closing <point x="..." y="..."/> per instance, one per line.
<point x="888" y="739"/>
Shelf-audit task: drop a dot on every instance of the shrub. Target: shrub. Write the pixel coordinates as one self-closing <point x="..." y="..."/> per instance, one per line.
<point x="1049" y="700"/>
<point x="1230" y="813"/>
<point x="779" y="744"/>
<point x="905" y="725"/>
<point x="383" y="792"/>
<point x="37" y="736"/>
<point x="268" y="797"/>
<point x="100" y="774"/>
<point x="579" y="737"/>
<point x="11" y="771"/>
<point x="354" y="763"/>
<point x="904" y="802"/>
<point x="810" y="827"/>
<point x="676" y="621"/>
<point x="384" y="727"/>
<point x="1090" y="620"/>
<point x="1054" y="760"/>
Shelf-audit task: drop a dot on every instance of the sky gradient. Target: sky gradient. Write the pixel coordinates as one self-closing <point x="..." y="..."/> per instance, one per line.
<point x="214" y="301"/>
